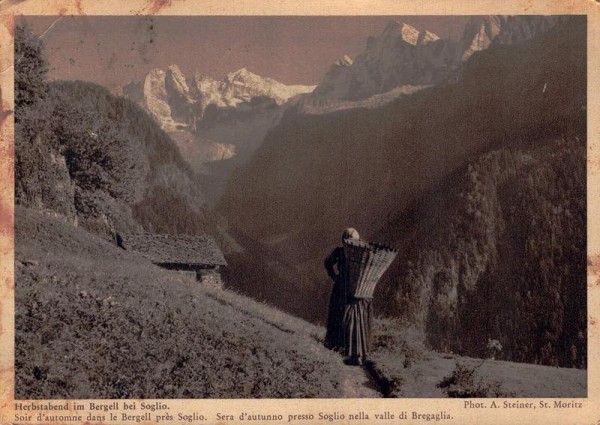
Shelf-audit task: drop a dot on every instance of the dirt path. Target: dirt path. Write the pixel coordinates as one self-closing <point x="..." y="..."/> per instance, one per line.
<point x="358" y="383"/>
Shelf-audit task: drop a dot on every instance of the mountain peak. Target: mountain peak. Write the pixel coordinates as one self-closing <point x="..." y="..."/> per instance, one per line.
<point x="242" y="72"/>
<point x="171" y="100"/>
<point x="407" y="32"/>
<point x="426" y="37"/>
<point x="177" y="81"/>
<point x="343" y="61"/>
<point x="174" y="68"/>
<point x="391" y="61"/>
<point x="392" y="27"/>
<point x="479" y="33"/>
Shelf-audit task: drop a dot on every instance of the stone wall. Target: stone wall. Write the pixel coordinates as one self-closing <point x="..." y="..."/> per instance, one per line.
<point x="209" y="277"/>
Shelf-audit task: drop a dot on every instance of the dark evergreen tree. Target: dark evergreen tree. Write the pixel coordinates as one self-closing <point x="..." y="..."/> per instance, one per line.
<point x="31" y="68"/>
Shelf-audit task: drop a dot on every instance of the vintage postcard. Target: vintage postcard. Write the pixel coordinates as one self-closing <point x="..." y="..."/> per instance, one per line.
<point x="258" y="213"/>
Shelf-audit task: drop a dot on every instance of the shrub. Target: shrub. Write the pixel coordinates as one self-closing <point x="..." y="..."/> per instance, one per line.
<point x="465" y="383"/>
<point x="31" y="68"/>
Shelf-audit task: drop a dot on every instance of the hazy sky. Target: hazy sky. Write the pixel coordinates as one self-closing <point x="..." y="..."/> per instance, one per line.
<point x="295" y="50"/>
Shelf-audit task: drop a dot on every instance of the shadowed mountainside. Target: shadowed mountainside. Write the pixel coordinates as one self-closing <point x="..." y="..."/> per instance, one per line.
<point x="402" y="55"/>
<point x="316" y="175"/>
<point x="321" y="169"/>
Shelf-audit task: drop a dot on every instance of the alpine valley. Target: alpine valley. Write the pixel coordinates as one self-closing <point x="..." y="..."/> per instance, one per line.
<point x="217" y="125"/>
<point x="467" y="154"/>
<point x="406" y="142"/>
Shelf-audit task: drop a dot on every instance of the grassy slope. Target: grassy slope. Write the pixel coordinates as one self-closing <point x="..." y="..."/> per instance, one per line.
<point x="409" y="369"/>
<point x="84" y="308"/>
<point x="515" y="379"/>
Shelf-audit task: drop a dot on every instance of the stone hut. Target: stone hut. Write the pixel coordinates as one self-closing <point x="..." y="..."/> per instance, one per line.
<point x="198" y="257"/>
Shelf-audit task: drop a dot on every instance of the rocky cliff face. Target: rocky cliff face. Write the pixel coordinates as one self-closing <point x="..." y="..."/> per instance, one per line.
<point x="177" y="101"/>
<point x="515" y="29"/>
<point x="155" y="97"/>
<point x="213" y="120"/>
<point x="242" y="86"/>
<point x="402" y="55"/>
<point x="479" y="34"/>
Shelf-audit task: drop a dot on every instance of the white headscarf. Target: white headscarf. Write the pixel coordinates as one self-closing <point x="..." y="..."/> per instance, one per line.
<point x="350" y="233"/>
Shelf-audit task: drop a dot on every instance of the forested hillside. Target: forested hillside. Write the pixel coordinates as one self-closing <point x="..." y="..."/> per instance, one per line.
<point x="97" y="159"/>
<point x="498" y="252"/>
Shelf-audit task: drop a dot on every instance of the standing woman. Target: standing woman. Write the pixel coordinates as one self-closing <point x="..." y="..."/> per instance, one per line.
<point x="349" y="320"/>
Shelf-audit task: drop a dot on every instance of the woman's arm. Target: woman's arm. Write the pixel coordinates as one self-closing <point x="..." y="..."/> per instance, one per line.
<point x="332" y="263"/>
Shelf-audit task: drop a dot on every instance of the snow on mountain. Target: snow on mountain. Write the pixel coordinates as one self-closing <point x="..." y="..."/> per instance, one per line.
<point x="343" y="61"/>
<point x="426" y="37"/>
<point x="210" y="91"/>
<point x="177" y="82"/>
<point x="174" y="100"/>
<point x="407" y="33"/>
<point x="165" y="94"/>
<point x="518" y="28"/>
<point x="155" y="96"/>
<point x="312" y="106"/>
<point x="210" y="120"/>
<point x="242" y="85"/>
<point x="402" y="55"/>
<point x="479" y="34"/>
<point x="483" y="31"/>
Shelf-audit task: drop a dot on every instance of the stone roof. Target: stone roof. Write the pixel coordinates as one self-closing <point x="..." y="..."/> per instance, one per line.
<point x="175" y="249"/>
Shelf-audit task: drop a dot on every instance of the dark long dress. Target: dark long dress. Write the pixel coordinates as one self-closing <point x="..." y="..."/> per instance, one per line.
<point x="349" y="320"/>
<point x="335" y="338"/>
